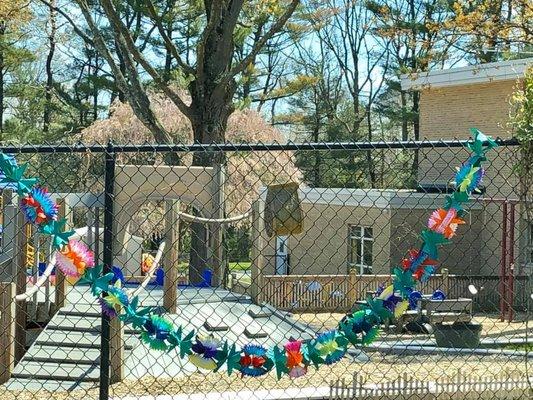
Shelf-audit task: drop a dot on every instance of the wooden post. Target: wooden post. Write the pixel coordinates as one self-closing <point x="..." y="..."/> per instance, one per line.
<point x="7" y="270"/>
<point x="7" y="328"/>
<point x="217" y="230"/>
<point x="172" y="229"/>
<point x="61" y="282"/>
<point x="352" y="281"/>
<point x="258" y="246"/>
<point x="445" y="281"/>
<point x="116" y="351"/>
<point x="20" y="266"/>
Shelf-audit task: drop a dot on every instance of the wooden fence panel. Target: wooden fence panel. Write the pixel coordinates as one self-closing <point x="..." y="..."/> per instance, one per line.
<point x="328" y="293"/>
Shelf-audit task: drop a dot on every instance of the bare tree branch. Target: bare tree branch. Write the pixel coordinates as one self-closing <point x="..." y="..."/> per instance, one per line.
<point x="275" y="28"/>
<point x="65" y="15"/>
<point x="168" y="42"/>
<point x="122" y="32"/>
<point x="136" y="96"/>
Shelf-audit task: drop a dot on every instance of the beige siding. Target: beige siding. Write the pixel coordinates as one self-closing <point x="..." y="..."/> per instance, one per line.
<point x="322" y="248"/>
<point x="460" y="257"/>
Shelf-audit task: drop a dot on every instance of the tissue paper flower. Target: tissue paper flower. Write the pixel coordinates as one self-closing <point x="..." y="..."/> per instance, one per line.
<point x="75" y="258"/>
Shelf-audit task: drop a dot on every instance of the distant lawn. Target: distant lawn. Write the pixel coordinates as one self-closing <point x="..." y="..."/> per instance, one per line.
<point x="233" y="266"/>
<point x="240" y="266"/>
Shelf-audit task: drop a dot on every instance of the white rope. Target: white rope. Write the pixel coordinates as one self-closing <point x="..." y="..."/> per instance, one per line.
<point x="194" y="218"/>
<point x="150" y="273"/>
<point x="43" y="278"/>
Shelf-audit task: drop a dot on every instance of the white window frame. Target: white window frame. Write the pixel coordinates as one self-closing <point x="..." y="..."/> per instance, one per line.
<point x="361" y="267"/>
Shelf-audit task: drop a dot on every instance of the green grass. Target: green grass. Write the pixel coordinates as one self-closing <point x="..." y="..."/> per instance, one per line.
<point x="233" y="266"/>
<point x="522" y="347"/>
<point x="240" y="266"/>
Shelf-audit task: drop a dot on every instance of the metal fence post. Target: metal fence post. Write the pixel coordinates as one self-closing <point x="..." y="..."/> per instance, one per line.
<point x="110" y="161"/>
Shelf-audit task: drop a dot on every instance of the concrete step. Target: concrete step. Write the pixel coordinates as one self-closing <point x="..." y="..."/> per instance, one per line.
<point x="67" y="355"/>
<point x="57" y="371"/>
<point x="51" y="385"/>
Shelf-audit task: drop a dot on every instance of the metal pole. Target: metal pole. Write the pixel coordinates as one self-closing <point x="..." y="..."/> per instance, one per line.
<point x="503" y="263"/>
<point x="511" y="263"/>
<point x="110" y="160"/>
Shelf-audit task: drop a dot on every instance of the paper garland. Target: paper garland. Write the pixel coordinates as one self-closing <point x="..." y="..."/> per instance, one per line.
<point x="360" y="327"/>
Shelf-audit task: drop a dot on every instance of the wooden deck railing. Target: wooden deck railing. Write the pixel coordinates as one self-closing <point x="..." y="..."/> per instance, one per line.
<point x="326" y="293"/>
<point x="323" y="293"/>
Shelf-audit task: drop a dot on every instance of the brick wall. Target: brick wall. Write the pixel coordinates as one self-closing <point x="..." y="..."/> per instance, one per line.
<point x="446" y="113"/>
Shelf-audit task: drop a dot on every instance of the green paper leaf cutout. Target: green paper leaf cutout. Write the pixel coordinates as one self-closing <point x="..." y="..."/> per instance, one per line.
<point x="15" y="174"/>
<point x="456" y="201"/>
<point x="432" y="240"/>
<point x="377" y="308"/>
<point x="233" y="360"/>
<point x="186" y="344"/>
<point x="481" y="145"/>
<point x="280" y="361"/>
<point x="346" y="328"/>
<point x="312" y="354"/>
<point x="102" y="283"/>
<point x="133" y="316"/>
<point x="56" y="229"/>
<point x="221" y="356"/>
<point x="91" y="275"/>
<point x="403" y="281"/>
<point x="341" y="340"/>
<point x="370" y="336"/>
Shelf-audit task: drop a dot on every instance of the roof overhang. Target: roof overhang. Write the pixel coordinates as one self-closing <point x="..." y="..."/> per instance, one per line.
<point x="481" y="73"/>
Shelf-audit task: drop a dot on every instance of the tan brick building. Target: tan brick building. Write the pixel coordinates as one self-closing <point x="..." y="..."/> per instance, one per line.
<point x="371" y="230"/>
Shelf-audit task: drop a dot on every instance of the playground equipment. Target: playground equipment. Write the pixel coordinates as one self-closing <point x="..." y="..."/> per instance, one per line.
<point x="200" y="187"/>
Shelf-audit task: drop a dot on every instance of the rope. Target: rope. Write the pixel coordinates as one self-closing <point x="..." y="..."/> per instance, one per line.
<point x="150" y="273"/>
<point x="194" y="218"/>
<point x="44" y="277"/>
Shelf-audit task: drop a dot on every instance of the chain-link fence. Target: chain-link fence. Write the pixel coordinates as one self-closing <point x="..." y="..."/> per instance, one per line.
<point x="230" y="269"/>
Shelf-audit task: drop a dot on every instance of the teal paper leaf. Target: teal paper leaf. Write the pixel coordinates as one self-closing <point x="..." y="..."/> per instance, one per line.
<point x="56" y="229"/>
<point x="102" y="283"/>
<point x="456" y="201"/>
<point x="376" y="307"/>
<point x="280" y="362"/>
<point x="222" y="356"/>
<point x="91" y="274"/>
<point x="432" y="240"/>
<point x="403" y="281"/>
<point x="346" y="328"/>
<point x="233" y="360"/>
<point x="15" y="174"/>
<point x="312" y="354"/>
<point x="133" y="316"/>
<point x="482" y="143"/>
<point x="186" y="344"/>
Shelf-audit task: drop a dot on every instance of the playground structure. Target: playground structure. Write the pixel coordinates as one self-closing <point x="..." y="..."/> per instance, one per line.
<point x="22" y="249"/>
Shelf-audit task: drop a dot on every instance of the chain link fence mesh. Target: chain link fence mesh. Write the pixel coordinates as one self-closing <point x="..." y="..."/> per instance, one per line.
<point x="232" y="270"/>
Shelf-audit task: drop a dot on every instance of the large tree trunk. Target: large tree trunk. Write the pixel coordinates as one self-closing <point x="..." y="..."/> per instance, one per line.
<point x="209" y="122"/>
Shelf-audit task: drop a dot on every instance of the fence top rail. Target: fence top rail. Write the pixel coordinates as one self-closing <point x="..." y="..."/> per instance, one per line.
<point x="228" y="147"/>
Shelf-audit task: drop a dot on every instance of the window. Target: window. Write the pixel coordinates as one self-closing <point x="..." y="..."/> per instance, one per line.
<point x="360" y="242"/>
